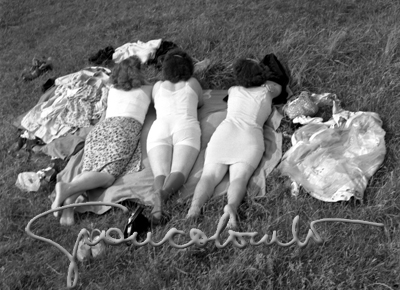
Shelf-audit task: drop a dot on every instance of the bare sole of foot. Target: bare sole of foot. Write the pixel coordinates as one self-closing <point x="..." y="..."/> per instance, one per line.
<point x="100" y="248"/>
<point x="83" y="254"/>
<point x="194" y="211"/>
<point x="60" y="189"/>
<point x="67" y="217"/>
<point x="81" y="199"/>
<point x="232" y="223"/>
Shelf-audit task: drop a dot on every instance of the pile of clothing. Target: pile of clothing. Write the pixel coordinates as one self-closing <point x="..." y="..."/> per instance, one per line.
<point x="334" y="160"/>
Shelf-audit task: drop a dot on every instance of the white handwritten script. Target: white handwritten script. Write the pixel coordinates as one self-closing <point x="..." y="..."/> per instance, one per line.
<point x="198" y="238"/>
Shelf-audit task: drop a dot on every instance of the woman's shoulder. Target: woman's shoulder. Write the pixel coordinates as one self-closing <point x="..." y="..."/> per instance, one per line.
<point x="193" y="82"/>
<point x="113" y="91"/>
<point x="195" y="85"/>
<point x="147" y="89"/>
<point x="240" y="90"/>
<point x="156" y="87"/>
<point x="134" y="91"/>
<point x="235" y="89"/>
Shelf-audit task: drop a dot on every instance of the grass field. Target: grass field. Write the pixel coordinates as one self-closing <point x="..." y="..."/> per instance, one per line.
<point x="347" y="47"/>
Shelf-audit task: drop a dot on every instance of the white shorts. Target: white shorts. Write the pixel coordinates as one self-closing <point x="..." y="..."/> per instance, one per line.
<point x="160" y="135"/>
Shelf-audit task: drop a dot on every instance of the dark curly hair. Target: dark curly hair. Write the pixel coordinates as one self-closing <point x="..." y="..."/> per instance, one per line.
<point x="177" y="66"/>
<point x="127" y="74"/>
<point x="249" y="73"/>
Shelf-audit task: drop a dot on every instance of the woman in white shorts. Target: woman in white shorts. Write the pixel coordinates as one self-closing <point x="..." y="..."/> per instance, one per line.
<point x="173" y="143"/>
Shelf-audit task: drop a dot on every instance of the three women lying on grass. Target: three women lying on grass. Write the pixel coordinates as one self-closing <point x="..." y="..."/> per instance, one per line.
<point x="174" y="139"/>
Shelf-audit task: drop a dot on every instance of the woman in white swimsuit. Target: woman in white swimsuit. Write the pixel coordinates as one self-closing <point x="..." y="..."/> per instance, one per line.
<point x="173" y="143"/>
<point x="237" y="144"/>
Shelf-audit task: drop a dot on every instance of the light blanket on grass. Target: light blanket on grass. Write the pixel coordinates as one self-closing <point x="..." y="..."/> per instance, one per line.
<point x="137" y="186"/>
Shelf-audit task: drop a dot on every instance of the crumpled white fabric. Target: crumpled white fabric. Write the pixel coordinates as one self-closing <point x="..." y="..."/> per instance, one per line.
<point x="28" y="181"/>
<point x="333" y="161"/>
<point x="143" y="50"/>
<point x="43" y="120"/>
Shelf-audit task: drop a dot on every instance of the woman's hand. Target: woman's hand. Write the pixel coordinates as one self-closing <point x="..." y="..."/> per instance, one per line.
<point x="268" y="87"/>
<point x="273" y="88"/>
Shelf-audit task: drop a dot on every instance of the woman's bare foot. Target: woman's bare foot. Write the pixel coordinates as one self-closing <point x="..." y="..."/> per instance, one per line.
<point x="156" y="213"/>
<point x="232" y="223"/>
<point x="193" y="213"/>
<point x="83" y="253"/>
<point x="67" y="217"/>
<point x="100" y="247"/>
<point x="81" y="199"/>
<point x="61" y="195"/>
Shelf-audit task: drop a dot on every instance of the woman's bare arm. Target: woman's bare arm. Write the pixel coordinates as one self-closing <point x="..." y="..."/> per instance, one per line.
<point x="195" y="85"/>
<point x="273" y="88"/>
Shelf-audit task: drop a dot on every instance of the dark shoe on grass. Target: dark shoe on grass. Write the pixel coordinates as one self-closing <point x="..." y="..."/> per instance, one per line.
<point x="38" y="68"/>
<point x="137" y="222"/>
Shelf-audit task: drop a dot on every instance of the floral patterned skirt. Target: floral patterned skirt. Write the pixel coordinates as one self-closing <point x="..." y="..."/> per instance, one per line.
<point x="113" y="146"/>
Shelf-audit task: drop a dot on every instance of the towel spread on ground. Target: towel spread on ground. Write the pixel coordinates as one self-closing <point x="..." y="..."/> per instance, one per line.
<point x="137" y="186"/>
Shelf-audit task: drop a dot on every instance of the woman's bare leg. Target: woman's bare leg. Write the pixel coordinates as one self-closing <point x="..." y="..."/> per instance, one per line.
<point x="67" y="216"/>
<point x="239" y="176"/>
<point x="183" y="159"/>
<point x="158" y="201"/>
<point x="82" y="182"/>
<point x="160" y="158"/>
<point x="210" y="178"/>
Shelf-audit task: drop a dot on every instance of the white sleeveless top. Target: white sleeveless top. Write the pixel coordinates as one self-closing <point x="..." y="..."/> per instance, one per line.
<point x="182" y="102"/>
<point x="131" y="104"/>
<point x="251" y="106"/>
<point x="177" y="108"/>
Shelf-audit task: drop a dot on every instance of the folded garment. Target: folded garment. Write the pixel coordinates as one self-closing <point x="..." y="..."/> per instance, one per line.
<point x="102" y="55"/>
<point x="143" y="50"/>
<point x="160" y="53"/>
<point x="277" y="74"/>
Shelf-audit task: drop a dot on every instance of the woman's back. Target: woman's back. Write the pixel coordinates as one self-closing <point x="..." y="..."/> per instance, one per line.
<point x="250" y="106"/>
<point x="133" y="103"/>
<point x="175" y="100"/>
